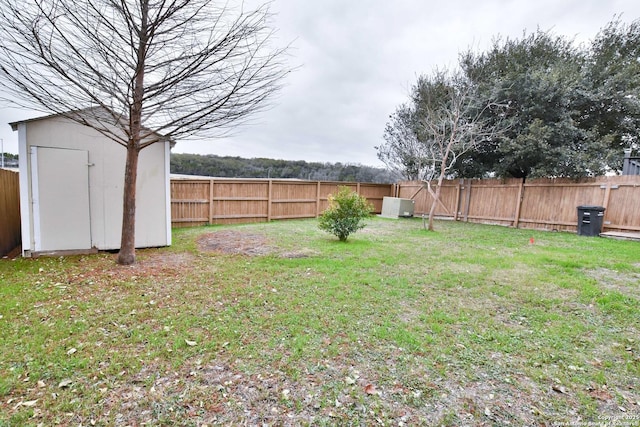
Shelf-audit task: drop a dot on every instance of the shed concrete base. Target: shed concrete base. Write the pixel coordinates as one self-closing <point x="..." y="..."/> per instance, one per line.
<point x="34" y="254"/>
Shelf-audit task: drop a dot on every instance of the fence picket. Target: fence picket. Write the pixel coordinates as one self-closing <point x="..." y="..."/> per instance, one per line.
<point x="9" y="211"/>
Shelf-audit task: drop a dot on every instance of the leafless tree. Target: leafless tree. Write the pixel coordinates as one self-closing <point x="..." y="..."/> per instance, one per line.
<point x="402" y="152"/>
<point x="450" y="123"/>
<point x="139" y="71"/>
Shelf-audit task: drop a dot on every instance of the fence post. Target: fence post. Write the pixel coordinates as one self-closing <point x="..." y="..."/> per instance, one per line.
<point x="607" y="195"/>
<point x="457" y="208"/>
<point x="211" y="194"/>
<point x="270" y="198"/>
<point x="318" y="200"/>
<point x="516" y="220"/>
<point x="605" y="202"/>
<point x="468" y="200"/>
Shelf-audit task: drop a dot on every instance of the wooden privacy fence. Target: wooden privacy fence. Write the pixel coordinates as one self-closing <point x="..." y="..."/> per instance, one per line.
<point x="9" y="211"/>
<point x="549" y="204"/>
<point x="229" y="201"/>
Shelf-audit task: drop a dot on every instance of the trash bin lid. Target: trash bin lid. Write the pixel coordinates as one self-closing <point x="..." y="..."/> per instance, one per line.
<point x="591" y="208"/>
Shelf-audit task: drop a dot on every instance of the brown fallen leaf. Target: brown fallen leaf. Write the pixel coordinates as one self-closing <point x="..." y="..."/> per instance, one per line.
<point x="559" y="389"/>
<point x="28" y="404"/>
<point x="370" y="389"/>
<point x="596" y="362"/>
<point x="602" y="395"/>
<point x="65" y="383"/>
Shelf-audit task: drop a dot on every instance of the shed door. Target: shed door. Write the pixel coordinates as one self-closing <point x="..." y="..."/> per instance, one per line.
<point x="60" y="180"/>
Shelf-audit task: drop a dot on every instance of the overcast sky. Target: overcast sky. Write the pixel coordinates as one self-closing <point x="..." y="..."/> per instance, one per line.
<point x="357" y="61"/>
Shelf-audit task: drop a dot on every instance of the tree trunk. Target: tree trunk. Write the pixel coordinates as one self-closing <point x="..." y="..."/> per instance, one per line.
<point x="127" y="254"/>
<point x="444" y="165"/>
<point x="436" y="197"/>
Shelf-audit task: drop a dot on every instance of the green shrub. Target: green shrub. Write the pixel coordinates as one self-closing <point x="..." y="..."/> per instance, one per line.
<point x="345" y="214"/>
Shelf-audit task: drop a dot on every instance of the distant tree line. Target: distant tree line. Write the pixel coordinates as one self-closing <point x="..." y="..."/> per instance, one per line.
<point x="554" y="108"/>
<point x="237" y="167"/>
<point x="10" y="160"/>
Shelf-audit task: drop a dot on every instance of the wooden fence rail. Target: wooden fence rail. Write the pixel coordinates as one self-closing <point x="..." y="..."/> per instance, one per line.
<point x="548" y="204"/>
<point x="9" y="211"/>
<point x="229" y="201"/>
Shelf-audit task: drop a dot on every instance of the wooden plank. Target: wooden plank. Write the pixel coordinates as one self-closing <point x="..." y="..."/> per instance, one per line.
<point x="195" y="201"/>
<point x="294" y="201"/>
<point x="518" y="204"/>
<point x="190" y="220"/>
<point x="211" y="195"/>
<point x="413" y="196"/>
<point x="457" y="208"/>
<point x="491" y="218"/>
<point x="239" y="216"/>
<point x="621" y="235"/>
<point x="446" y="209"/>
<point x="564" y="184"/>
<point x="540" y="221"/>
<point x="269" y="197"/>
<point x="468" y="200"/>
<point x="318" y="199"/>
<point x="292" y="216"/>
<point x="623" y="227"/>
<point x="247" y="199"/>
<point x="605" y="204"/>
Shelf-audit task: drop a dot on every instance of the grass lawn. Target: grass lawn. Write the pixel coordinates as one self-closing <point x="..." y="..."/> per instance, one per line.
<point x="281" y="324"/>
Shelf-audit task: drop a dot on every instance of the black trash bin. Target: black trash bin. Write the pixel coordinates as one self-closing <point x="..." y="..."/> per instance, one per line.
<point x="590" y="220"/>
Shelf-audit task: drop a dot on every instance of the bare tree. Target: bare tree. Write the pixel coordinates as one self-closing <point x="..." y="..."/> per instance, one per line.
<point x="402" y="152"/>
<point x="139" y="71"/>
<point x="450" y="123"/>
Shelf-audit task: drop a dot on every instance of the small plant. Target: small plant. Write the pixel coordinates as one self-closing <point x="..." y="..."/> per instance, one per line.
<point x="345" y="214"/>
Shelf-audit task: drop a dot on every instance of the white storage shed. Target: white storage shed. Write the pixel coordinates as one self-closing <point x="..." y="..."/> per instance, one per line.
<point x="71" y="189"/>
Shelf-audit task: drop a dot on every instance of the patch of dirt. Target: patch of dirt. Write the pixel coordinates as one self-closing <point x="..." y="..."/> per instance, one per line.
<point x="234" y="242"/>
<point x="149" y="264"/>
<point x="162" y="262"/>
<point x="249" y="244"/>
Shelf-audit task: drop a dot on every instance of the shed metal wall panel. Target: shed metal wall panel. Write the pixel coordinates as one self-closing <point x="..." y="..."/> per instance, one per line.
<point x="61" y="199"/>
